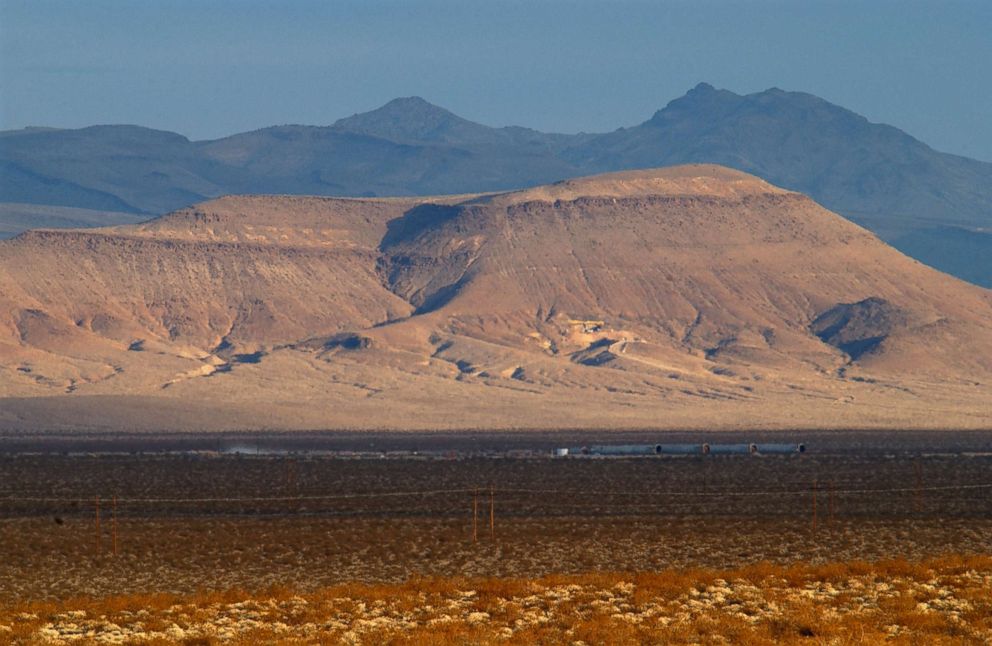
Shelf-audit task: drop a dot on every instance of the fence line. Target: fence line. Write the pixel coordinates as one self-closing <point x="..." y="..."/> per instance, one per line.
<point x="738" y="492"/>
<point x="382" y="494"/>
<point x="503" y="491"/>
<point x="514" y="503"/>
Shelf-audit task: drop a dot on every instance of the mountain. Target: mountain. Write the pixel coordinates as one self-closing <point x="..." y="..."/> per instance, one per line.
<point x="15" y="218"/>
<point x="873" y="174"/>
<point x="116" y="168"/>
<point x="413" y="120"/>
<point x="960" y="252"/>
<point x="869" y="172"/>
<point x="691" y="296"/>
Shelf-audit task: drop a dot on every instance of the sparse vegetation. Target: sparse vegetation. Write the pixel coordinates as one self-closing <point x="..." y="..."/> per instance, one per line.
<point x="244" y="549"/>
<point x="944" y="600"/>
<point x="179" y="529"/>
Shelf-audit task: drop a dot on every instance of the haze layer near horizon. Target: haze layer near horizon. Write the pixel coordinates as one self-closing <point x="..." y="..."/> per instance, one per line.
<point x="208" y="68"/>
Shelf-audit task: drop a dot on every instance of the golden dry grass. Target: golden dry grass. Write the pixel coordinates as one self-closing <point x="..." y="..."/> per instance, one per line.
<point x="941" y="600"/>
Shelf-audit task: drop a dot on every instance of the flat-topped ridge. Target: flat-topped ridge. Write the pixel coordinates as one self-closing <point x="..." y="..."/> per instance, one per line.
<point x="690" y="180"/>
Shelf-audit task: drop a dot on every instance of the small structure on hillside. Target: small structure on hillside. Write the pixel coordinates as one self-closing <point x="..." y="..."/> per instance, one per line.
<point x="588" y="326"/>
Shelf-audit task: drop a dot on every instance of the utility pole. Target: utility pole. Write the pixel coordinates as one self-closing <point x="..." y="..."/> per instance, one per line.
<point x="814" y="505"/>
<point x="114" y="523"/>
<point x="97" y="507"/>
<point x="831" y="502"/>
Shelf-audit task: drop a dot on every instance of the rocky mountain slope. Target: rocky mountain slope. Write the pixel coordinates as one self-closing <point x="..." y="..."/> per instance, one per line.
<point x="873" y="174"/>
<point x="685" y="296"/>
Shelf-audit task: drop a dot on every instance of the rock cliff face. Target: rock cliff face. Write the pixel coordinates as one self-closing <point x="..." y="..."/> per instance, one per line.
<point x="684" y="296"/>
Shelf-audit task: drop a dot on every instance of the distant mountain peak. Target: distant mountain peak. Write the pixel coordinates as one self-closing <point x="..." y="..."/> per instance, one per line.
<point x="703" y="96"/>
<point x="707" y="103"/>
<point x="411" y="102"/>
<point x="408" y="107"/>
<point x="404" y="118"/>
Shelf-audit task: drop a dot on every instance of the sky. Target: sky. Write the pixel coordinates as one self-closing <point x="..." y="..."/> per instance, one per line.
<point x="210" y="68"/>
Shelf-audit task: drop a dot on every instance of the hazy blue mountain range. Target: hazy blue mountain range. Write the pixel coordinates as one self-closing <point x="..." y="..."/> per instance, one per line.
<point x="934" y="206"/>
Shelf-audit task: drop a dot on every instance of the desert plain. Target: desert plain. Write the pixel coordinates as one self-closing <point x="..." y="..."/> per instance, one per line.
<point x="255" y="546"/>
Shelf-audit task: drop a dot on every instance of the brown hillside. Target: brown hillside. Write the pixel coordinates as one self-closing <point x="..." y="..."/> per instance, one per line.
<point x="688" y="296"/>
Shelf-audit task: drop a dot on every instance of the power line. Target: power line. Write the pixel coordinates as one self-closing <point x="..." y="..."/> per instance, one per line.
<point x="440" y="492"/>
<point x="381" y="494"/>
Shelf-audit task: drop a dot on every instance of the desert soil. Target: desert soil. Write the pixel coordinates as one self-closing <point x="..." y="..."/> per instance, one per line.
<point x="189" y="522"/>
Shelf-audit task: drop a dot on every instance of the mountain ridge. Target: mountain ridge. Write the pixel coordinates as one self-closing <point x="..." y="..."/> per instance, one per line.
<point x="876" y="175"/>
<point x="675" y="297"/>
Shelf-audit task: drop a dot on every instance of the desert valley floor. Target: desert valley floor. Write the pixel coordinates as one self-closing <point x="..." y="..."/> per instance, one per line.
<point x="320" y="532"/>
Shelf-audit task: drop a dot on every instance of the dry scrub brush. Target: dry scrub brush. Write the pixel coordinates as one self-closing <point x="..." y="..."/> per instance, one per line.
<point x="943" y="600"/>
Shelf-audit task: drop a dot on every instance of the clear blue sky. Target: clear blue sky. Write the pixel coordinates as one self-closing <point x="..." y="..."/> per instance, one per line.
<point x="207" y="68"/>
